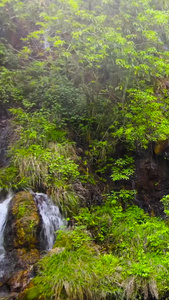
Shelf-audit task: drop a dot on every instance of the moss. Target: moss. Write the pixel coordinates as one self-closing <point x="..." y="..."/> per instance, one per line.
<point x="27" y="258"/>
<point x="160" y="147"/>
<point x="30" y="293"/>
<point x="24" y="225"/>
<point x="21" y="211"/>
<point x="27" y="220"/>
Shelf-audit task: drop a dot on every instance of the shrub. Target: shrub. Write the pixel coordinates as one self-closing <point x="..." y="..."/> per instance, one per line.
<point x="111" y="254"/>
<point x="79" y="271"/>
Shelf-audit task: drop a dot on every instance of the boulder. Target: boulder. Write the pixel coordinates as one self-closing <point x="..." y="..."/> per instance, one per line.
<point x="23" y="223"/>
<point x="22" y="241"/>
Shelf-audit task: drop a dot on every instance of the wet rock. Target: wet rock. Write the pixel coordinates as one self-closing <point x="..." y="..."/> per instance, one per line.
<point x="25" y="259"/>
<point x="162" y="148"/>
<point x="23" y="223"/>
<point x="5" y="136"/>
<point x="5" y="293"/>
<point x="4" y="288"/>
<point x="88" y="194"/>
<point x="56" y="250"/>
<point x="21" y="241"/>
<point x="151" y="181"/>
<point x="19" y="280"/>
<point x="11" y="296"/>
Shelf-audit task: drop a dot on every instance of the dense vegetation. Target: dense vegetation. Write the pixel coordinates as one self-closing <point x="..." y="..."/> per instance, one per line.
<point x="85" y="85"/>
<point x="125" y="256"/>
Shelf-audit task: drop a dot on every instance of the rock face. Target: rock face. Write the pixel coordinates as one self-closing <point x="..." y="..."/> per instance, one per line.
<point x="5" y="135"/>
<point x="22" y="244"/>
<point x="162" y="148"/>
<point x="151" y="180"/>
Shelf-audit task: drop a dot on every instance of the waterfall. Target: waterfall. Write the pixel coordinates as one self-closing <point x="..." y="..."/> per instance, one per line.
<point x="3" y="219"/>
<point x="51" y="220"/>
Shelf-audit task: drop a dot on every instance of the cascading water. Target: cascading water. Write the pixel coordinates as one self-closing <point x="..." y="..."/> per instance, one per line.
<point x="3" y="219"/>
<point x="51" y="220"/>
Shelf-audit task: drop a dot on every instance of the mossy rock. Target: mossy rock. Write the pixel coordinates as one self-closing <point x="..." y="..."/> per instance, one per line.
<point x="22" y="239"/>
<point x="27" y="258"/>
<point x="25" y="221"/>
<point x="161" y="146"/>
<point x="19" y="281"/>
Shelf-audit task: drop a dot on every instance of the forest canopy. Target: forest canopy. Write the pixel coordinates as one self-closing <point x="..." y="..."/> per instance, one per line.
<point x="95" y="73"/>
<point x="105" y="62"/>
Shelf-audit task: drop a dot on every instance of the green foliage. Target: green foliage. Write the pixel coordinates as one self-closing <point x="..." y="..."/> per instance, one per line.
<point x="96" y="72"/>
<point x="79" y="271"/>
<point x="21" y="210"/>
<point x="91" y="66"/>
<point x="143" y="112"/>
<point x="36" y="128"/>
<point x="131" y="260"/>
<point x="122" y="168"/>
<point x="45" y="166"/>
<point x="123" y="230"/>
<point x="10" y="179"/>
<point x="165" y="201"/>
<point x="41" y="157"/>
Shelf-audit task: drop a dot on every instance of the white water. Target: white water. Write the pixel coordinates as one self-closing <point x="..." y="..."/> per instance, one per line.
<point x="51" y="219"/>
<point x="51" y="222"/>
<point x="3" y="219"/>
